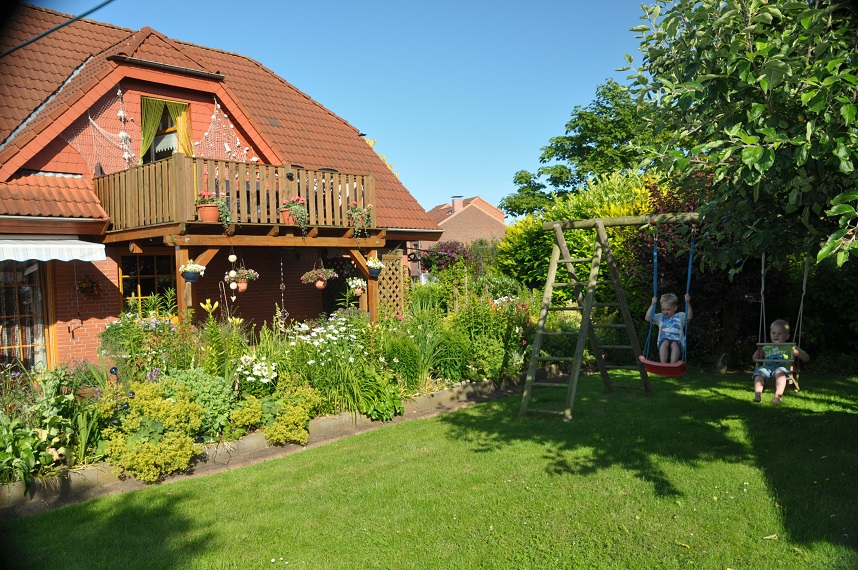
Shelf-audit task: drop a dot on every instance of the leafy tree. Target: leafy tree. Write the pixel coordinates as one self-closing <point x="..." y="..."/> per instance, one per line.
<point x="605" y="136"/>
<point x="766" y="90"/>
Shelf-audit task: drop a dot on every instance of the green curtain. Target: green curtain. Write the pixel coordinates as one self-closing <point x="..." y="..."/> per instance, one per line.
<point x="179" y="114"/>
<point x="152" y="111"/>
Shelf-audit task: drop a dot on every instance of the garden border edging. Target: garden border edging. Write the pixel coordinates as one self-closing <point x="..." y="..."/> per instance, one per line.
<point x="77" y="485"/>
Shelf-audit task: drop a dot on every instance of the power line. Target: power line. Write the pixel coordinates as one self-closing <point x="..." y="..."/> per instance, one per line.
<point x="55" y="28"/>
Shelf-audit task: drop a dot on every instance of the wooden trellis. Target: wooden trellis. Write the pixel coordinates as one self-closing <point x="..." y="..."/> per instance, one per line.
<point x="393" y="282"/>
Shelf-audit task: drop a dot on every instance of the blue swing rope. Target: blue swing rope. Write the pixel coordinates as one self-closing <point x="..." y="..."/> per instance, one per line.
<point x="655" y="293"/>
<point x="654" y="290"/>
<point x="687" y="292"/>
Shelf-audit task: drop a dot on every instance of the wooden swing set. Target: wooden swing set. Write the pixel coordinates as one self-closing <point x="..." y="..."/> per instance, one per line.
<point x="583" y="302"/>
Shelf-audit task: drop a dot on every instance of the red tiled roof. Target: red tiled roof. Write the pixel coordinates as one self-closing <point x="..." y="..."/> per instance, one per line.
<point x="476" y="220"/>
<point x="440" y="213"/>
<point x="305" y="133"/>
<point x="52" y="196"/>
<point x="471" y="223"/>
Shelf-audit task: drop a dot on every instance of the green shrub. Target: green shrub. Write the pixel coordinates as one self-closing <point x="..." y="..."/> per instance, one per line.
<point x="401" y="357"/>
<point x="23" y="453"/>
<point x="247" y="415"/>
<point x="382" y="400"/>
<point x="213" y="393"/>
<point x="454" y="357"/>
<point x="150" y="458"/>
<point x="156" y="432"/>
<point x="289" y="426"/>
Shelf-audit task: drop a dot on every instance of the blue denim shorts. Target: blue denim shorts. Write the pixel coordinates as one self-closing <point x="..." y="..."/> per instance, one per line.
<point x="769" y="371"/>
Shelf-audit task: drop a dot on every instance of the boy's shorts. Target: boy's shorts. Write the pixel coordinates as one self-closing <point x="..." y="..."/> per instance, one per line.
<point x="669" y="340"/>
<point x="769" y="371"/>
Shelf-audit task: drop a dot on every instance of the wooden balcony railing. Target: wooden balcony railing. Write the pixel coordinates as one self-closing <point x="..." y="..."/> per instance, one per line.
<point x="165" y="192"/>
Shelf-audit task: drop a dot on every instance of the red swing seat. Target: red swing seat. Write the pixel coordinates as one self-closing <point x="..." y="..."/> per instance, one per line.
<point x="664" y="369"/>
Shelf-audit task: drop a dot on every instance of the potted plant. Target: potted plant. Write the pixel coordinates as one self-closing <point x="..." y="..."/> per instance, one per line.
<point x="89" y="287"/>
<point x="319" y="277"/>
<point x="294" y="212"/>
<point x="357" y="285"/>
<point x="375" y="266"/>
<point x="238" y="278"/>
<point x="360" y="217"/>
<point x="210" y="208"/>
<point x="191" y="271"/>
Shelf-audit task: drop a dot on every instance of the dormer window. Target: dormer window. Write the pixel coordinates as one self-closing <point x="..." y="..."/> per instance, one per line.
<point x="165" y="129"/>
<point x="165" y="142"/>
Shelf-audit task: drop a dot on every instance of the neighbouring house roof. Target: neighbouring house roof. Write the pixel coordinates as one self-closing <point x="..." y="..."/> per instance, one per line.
<point x="59" y="75"/>
<point x="477" y="219"/>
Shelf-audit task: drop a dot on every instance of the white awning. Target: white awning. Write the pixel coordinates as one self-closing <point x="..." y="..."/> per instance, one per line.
<point x="46" y="248"/>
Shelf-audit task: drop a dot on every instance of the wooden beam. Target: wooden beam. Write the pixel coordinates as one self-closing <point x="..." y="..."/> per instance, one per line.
<point x="271" y="241"/>
<point x="652" y="219"/>
<point x="205" y="257"/>
<point x="142" y="234"/>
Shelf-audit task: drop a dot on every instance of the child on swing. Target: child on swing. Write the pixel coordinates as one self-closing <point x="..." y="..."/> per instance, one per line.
<point x="775" y="361"/>
<point x="671" y="326"/>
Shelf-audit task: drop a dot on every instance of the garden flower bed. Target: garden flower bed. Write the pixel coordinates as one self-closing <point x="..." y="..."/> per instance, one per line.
<point x="80" y="484"/>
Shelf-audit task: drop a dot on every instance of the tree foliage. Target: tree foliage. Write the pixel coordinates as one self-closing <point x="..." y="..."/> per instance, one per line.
<point x="525" y="251"/>
<point x="605" y="136"/>
<point x="767" y="91"/>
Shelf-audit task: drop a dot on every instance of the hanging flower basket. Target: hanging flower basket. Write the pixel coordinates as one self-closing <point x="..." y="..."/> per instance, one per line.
<point x="191" y="272"/>
<point x="238" y="278"/>
<point x="375" y="265"/>
<point x="89" y="288"/>
<point x="321" y="284"/>
<point x="315" y="275"/>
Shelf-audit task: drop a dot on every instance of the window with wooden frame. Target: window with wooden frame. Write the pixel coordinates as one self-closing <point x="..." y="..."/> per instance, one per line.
<point x="145" y="275"/>
<point x="22" y="314"/>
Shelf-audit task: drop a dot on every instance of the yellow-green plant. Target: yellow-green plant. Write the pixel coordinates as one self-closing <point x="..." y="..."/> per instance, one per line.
<point x="156" y="430"/>
<point x="289" y="426"/>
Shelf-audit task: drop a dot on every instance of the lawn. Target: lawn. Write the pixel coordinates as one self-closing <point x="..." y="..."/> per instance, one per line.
<point x="696" y="476"/>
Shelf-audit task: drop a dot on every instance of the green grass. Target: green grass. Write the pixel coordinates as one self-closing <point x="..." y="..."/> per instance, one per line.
<point x="696" y="476"/>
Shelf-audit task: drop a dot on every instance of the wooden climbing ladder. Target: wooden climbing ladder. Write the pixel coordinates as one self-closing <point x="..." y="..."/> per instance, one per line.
<point x="583" y="297"/>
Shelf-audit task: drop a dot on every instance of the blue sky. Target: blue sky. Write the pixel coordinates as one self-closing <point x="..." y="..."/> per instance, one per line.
<point x="459" y="94"/>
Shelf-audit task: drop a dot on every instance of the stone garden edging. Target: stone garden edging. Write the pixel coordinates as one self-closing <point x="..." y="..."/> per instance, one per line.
<point x="78" y="485"/>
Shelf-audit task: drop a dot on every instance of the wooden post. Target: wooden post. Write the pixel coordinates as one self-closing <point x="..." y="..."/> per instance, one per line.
<point x="184" y="291"/>
<point x="371" y="284"/>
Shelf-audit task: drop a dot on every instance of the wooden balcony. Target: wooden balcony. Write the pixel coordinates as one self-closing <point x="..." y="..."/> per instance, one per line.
<point x="165" y="192"/>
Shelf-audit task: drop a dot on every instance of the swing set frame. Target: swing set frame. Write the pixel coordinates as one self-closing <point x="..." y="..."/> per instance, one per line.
<point x="583" y="301"/>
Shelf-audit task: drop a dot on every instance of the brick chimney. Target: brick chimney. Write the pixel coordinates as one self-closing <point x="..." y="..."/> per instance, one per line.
<point x="457" y="203"/>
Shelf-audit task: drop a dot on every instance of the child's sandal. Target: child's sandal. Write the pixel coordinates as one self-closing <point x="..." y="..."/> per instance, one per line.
<point x="776" y="400"/>
<point x="757" y="398"/>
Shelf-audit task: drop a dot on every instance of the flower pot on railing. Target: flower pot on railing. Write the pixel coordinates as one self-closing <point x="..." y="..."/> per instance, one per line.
<point x="358" y="292"/>
<point x="286" y="218"/>
<point x="190" y="276"/>
<point x="208" y="212"/>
